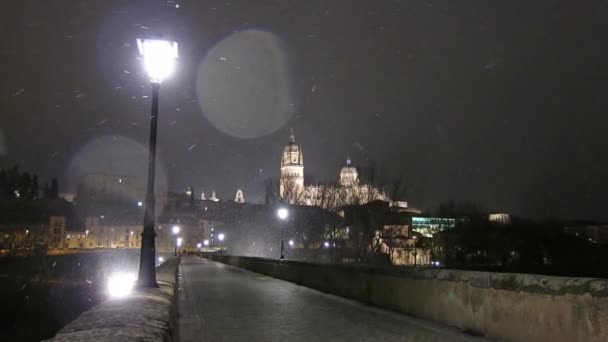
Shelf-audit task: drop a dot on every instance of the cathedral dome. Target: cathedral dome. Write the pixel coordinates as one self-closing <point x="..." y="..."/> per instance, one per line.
<point x="349" y="175"/>
<point x="292" y="153"/>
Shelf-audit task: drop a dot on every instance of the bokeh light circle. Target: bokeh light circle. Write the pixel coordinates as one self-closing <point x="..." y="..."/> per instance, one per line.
<point x="116" y="156"/>
<point x="243" y="85"/>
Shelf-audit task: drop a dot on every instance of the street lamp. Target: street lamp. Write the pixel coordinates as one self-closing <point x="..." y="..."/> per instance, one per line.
<point x="282" y="213"/>
<point x="206" y="243"/>
<point x="175" y="231"/>
<point x="159" y="61"/>
<point x="221" y="238"/>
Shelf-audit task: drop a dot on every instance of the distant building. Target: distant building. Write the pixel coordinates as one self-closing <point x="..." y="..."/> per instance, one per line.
<point x="500" y="218"/>
<point x="67" y="196"/>
<point x="348" y="190"/>
<point x="590" y="231"/>
<point x="101" y="188"/>
<point x="428" y="225"/>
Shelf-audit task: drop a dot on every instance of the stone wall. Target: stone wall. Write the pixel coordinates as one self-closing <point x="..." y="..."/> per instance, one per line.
<point x="503" y="306"/>
<point x="145" y="315"/>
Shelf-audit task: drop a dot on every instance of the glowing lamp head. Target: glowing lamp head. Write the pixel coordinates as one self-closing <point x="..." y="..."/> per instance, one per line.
<point x="159" y="57"/>
<point x="175" y="229"/>
<point x="326" y="244"/>
<point x="179" y="242"/>
<point x="221" y="237"/>
<point x="291" y="243"/>
<point x="199" y="245"/>
<point x="120" y="285"/>
<point x="282" y="213"/>
<point x="206" y="242"/>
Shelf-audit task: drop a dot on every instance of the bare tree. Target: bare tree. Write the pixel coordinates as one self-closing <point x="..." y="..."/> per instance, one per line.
<point x="292" y="192"/>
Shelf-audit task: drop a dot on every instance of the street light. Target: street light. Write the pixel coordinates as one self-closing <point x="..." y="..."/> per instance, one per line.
<point x="206" y="242"/>
<point x="290" y="243"/>
<point x="282" y="213"/>
<point x="221" y="238"/>
<point x="175" y="231"/>
<point x="159" y="61"/>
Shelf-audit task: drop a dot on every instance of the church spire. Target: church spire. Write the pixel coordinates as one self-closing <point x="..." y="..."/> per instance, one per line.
<point x="292" y="137"/>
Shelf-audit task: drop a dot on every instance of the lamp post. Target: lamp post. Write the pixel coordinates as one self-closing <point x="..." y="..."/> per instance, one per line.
<point x="178" y="243"/>
<point x="282" y="213"/>
<point x="221" y="238"/>
<point x="159" y="61"/>
<point x="175" y="231"/>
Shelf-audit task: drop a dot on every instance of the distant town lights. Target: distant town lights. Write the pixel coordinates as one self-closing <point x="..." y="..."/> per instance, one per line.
<point x="159" y="58"/>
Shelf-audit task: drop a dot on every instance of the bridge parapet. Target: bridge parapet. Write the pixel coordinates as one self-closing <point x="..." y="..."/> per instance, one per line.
<point x="145" y="315"/>
<point x="503" y="306"/>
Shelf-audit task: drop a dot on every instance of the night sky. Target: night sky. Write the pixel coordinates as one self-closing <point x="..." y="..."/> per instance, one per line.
<point x="502" y="103"/>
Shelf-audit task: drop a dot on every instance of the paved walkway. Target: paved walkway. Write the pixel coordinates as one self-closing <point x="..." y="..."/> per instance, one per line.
<point x="223" y="303"/>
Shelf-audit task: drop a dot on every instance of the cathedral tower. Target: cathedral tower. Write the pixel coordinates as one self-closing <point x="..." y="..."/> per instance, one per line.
<point x="291" y="183"/>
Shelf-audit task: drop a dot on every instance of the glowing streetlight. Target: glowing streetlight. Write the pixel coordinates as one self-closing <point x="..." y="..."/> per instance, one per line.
<point x="206" y="242"/>
<point x="159" y="61"/>
<point x="290" y="243"/>
<point x="326" y="244"/>
<point x="159" y="58"/>
<point x="175" y="231"/>
<point x="282" y="214"/>
<point x="199" y="245"/>
<point x="120" y="284"/>
<point x="179" y="241"/>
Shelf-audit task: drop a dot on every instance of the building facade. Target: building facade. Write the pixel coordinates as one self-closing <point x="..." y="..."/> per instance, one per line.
<point x="348" y="189"/>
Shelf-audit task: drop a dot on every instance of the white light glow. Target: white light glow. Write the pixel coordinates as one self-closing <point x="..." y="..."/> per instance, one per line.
<point x="206" y="242"/>
<point x="290" y="242"/>
<point x="140" y="203"/>
<point x="326" y="244"/>
<point x="161" y="259"/>
<point x="159" y="58"/>
<point x="282" y="213"/>
<point x="221" y="236"/>
<point x="179" y="242"/>
<point x="120" y="285"/>
<point x="199" y="245"/>
<point x="175" y="229"/>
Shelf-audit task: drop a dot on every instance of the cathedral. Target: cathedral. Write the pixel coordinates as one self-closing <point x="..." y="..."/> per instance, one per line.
<point x="348" y="189"/>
